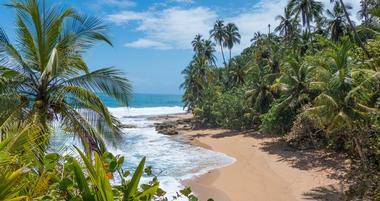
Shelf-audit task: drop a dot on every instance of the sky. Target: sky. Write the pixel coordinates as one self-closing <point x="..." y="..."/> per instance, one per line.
<point x="152" y="39"/>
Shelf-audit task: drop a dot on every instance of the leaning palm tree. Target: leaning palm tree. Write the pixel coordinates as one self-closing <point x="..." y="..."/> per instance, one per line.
<point x="219" y="34"/>
<point x="307" y="10"/>
<point x="352" y="26"/>
<point x="233" y="36"/>
<point x="44" y="78"/>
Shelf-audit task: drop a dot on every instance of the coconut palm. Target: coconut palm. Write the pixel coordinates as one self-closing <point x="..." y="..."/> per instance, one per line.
<point x="352" y="26"/>
<point x="334" y="109"/>
<point x="287" y="24"/>
<point x="237" y="71"/>
<point x="45" y="79"/>
<point x="365" y="11"/>
<point x="219" y="34"/>
<point x="197" y="74"/>
<point x="307" y="10"/>
<point x="233" y="36"/>
<point x="205" y="48"/>
<point x="209" y="51"/>
<point x="197" y="43"/>
<point x="337" y="25"/>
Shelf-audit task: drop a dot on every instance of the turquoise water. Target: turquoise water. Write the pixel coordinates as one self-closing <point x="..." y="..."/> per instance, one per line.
<point x="172" y="158"/>
<point x="147" y="100"/>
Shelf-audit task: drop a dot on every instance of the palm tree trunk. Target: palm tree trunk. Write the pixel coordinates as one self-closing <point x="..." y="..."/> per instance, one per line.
<point x="354" y="30"/>
<point x="221" y="48"/>
<point x="359" y="149"/>
<point x="230" y="55"/>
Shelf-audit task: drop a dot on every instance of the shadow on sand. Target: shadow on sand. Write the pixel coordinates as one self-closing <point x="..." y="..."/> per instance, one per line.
<point x="300" y="159"/>
<point x="326" y="193"/>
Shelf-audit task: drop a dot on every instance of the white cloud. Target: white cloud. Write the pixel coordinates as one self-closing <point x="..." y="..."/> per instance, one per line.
<point x="146" y="43"/>
<point x="174" y="27"/>
<point x="264" y="13"/>
<point x="127" y="16"/>
<point x="119" y="3"/>
<point x="182" y="1"/>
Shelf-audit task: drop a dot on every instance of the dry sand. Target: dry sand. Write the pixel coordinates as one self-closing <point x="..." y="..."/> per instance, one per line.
<point x="266" y="169"/>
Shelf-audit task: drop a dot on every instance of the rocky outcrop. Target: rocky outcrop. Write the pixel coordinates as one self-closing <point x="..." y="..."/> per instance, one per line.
<point x="128" y="126"/>
<point x="166" y="128"/>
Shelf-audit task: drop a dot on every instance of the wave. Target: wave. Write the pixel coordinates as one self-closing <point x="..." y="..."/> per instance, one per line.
<point x="124" y="112"/>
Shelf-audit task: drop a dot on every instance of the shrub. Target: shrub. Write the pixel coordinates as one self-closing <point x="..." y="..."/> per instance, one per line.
<point x="229" y="111"/>
<point x="279" y="119"/>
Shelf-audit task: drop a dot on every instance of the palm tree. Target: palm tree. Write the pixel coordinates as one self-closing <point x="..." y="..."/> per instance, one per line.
<point x="204" y="47"/>
<point x="237" y="71"/>
<point x="219" y="34"/>
<point x="44" y="77"/>
<point x="334" y="110"/>
<point x="233" y="36"/>
<point x="365" y="11"/>
<point x="337" y="24"/>
<point x="197" y="74"/>
<point x="357" y="37"/>
<point x="209" y="50"/>
<point x="197" y="43"/>
<point x="296" y="82"/>
<point x="307" y="10"/>
<point x="287" y="24"/>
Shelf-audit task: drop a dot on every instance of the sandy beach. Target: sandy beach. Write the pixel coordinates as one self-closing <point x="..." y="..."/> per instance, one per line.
<point x="266" y="169"/>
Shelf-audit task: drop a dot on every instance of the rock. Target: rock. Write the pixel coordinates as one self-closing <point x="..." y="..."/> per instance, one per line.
<point x="128" y="126"/>
<point x="166" y="128"/>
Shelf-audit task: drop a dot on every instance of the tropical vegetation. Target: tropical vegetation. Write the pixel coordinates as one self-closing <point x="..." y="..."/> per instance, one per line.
<point x="319" y="71"/>
<point x="47" y="88"/>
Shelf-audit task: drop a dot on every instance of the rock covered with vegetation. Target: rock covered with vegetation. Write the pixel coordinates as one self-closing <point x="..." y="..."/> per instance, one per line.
<point x="314" y="80"/>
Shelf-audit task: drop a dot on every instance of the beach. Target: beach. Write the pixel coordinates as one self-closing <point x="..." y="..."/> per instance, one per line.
<point x="265" y="168"/>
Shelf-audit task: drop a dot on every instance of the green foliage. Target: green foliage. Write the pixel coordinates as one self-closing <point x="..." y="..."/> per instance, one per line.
<point x="279" y="119"/>
<point x="228" y="111"/>
<point x="319" y="82"/>
<point x="45" y="78"/>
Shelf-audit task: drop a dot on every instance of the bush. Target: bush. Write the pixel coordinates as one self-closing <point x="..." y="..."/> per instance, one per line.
<point x="279" y="119"/>
<point x="305" y="135"/>
<point x="229" y="111"/>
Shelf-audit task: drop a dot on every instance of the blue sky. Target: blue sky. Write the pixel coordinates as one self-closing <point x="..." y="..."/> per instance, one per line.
<point x="152" y="38"/>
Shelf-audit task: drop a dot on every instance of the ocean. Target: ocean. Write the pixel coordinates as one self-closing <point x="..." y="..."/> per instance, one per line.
<point x="172" y="158"/>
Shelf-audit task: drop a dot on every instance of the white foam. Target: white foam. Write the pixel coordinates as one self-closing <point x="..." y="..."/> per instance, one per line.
<point x="123" y="112"/>
<point x="173" y="159"/>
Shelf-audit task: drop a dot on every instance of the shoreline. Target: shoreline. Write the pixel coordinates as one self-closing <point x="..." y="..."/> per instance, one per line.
<point x="265" y="167"/>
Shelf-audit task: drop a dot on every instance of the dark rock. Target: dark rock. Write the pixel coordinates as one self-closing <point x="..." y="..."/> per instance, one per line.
<point x="166" y="128"/>
<point x="128" y="126"/>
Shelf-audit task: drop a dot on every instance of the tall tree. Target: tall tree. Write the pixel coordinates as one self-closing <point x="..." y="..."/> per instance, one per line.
<point x="197" y="43"/>
<point x="337" y="25"/>
<point x="307" y="10"/>
<point x="44" y="77"/>
<point x="219" y="34"/>
<point x="205" y="48"/>
<point x="233" y="36"/>
<point x="352" y="26"/>
<point x="287" y="23"/>
<point x="365" y="10"/>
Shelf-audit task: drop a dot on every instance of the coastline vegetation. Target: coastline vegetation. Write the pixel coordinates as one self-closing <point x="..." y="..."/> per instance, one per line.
<point x="316" y="77"/>
<point x="45" y="86"/>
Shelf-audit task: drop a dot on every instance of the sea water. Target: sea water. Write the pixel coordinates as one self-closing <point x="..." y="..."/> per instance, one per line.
<point x="172" y="158"/>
